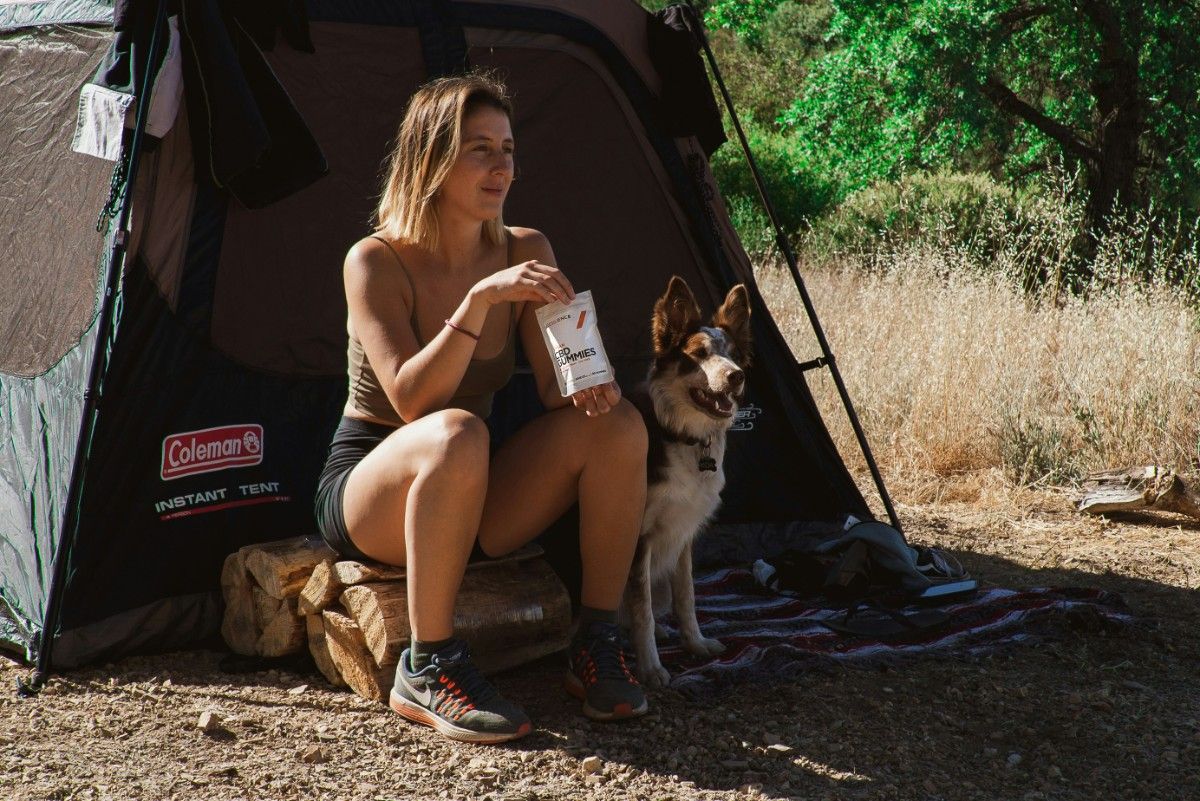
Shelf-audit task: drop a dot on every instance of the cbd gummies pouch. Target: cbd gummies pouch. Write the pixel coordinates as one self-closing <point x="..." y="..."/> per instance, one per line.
<point x="573" y="339"/>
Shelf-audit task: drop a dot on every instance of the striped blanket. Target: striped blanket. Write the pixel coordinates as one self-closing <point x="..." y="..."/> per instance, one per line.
<point x="774" y="636"/>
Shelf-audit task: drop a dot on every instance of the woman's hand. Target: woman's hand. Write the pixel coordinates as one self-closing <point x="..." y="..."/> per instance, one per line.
<point x="595" y="401"/>
<point x="527" y="281"/>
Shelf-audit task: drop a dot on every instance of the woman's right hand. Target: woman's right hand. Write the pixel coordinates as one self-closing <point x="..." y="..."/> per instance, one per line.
<point x="527" y="281"/>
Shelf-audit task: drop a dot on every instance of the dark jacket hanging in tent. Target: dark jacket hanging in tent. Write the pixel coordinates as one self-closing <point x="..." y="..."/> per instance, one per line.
<point x="227" y="368"/>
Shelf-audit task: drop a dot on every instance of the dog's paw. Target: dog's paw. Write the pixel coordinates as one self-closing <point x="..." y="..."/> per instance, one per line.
<point x="653" y="676"/>
<point x="705" y="646"/>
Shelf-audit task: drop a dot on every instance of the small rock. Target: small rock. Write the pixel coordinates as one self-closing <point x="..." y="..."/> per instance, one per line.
<point x="298" y="690"/>
<point x="929" y="786"/>
<point x="524" y="756"/>
<point x="167" y="683"/>
<point x="591" y="764"/>
<point x="1014" y="759"/>
<point x="313" y="755"/>
<point x="593" y="779"/>
<point x="779" y="749"/>
<point x="1129" y="684"/>
<point x="210" y="722"/>
<point x="990" y="752"/>
<point x="1054" y="772"/>
<point x="735" y="764"/>
<point x="1171" y="756"/>
<point x="770" y="738"/>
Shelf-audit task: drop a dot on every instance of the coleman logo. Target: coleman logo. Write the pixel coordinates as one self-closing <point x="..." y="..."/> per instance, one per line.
<point x="211" y="449"/>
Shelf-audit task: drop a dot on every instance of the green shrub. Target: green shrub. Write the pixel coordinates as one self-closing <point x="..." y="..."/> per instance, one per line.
<point x="1037" y="235"/>
<point x="797" y="193"/>
<point x="1037" y="452"/>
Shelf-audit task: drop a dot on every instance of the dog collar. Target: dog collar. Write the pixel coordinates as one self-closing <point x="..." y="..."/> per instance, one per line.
<point x="704" y="462"/>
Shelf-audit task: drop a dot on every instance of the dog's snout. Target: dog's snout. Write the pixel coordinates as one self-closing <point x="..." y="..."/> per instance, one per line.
<point x="737" y="378"/>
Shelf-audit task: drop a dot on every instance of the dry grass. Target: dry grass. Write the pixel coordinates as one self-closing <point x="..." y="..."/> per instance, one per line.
<point x="969" y="388"/>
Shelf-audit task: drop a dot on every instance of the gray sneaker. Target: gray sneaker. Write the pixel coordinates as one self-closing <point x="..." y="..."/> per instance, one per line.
<point x="598" y="675"/>
<point x="451" y="696"/>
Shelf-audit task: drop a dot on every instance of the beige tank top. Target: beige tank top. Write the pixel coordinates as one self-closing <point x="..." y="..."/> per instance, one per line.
<point x="479" y="383"/>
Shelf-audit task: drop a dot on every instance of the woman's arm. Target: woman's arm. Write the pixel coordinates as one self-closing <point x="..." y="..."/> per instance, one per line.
<point x="416" y="380"/>
<point x="598" y="400"/>
<point x="420" y="380"/>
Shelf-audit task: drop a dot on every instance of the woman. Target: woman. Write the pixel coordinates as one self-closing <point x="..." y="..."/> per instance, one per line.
<point x="436" y="299"/>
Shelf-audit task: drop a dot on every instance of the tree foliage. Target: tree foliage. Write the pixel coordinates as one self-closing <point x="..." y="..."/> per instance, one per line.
<point x="1004" y="85"/>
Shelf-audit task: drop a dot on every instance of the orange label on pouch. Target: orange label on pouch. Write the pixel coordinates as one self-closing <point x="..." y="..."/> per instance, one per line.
<point x="579" y="324"/>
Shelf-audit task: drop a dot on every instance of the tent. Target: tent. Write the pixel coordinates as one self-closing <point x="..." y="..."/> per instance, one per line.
<point x="145" y="438"/>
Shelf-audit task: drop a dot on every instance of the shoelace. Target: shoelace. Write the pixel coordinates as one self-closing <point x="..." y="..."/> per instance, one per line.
<point x="604" y="646"/>
<point x="463" y="673"/>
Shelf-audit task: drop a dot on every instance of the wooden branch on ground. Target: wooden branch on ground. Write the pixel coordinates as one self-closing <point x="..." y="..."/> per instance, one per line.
<point x="1135" y="489"/>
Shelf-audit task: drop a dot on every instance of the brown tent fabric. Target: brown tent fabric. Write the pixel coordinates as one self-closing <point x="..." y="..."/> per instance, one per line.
<point x="49" y="198"/>
<point x="589" y="181"/>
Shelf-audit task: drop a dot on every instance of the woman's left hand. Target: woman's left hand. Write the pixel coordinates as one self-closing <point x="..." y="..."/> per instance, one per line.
<point x="595" y="401"/>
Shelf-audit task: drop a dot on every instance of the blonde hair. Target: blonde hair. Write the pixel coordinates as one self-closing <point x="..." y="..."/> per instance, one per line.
<point x="427" y="146"/>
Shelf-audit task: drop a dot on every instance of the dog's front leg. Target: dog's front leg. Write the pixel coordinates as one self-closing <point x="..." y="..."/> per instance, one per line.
<point x="641" y="620"/>
<point x="683" y="600"/>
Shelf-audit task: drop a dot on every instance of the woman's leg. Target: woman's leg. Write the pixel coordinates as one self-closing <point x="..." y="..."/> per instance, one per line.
<point x="561" y="457"/>
<point x="415" y="500"/>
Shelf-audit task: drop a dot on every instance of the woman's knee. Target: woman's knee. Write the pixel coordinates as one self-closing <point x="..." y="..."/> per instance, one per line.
<point x="628" y="429"/>
<point x="458" y="440"/>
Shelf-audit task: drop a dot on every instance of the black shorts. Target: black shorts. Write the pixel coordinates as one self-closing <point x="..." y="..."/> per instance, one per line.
<point x="352" y="441"/>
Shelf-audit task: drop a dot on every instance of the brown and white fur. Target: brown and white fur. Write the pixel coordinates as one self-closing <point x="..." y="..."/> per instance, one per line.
<point x="690" y="398"/>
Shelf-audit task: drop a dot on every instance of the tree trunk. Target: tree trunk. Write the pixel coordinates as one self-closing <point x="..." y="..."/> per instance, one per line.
<point x="1112" y="177"/>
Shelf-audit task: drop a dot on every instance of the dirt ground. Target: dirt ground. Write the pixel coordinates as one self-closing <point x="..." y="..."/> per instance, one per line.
<point x="1093" y="716"/>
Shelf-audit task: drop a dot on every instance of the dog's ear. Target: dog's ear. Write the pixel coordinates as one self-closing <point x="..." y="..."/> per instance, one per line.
<point x="675" y="315"/>
<point x="734" y="317"/>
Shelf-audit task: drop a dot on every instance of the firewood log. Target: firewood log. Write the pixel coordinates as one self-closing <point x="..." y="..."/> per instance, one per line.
<point x="282" y="568"/>
<point x="347" y="572"/>
<point x="284" y="633"/>
<point x="508" y="606"/>
<point x="314" y="626"/>
<point x="320" y="590"/>
<point x="348" y="651"/>
<point x="238" y="627"/>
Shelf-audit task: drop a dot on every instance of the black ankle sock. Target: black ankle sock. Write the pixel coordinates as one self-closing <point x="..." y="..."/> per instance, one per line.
<point x="588" y="616"/>
<point x="423" y="650"/>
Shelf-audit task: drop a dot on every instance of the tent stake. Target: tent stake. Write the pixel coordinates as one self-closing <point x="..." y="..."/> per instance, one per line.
<point x="789" y="255"/>
<point x="99" y="367"/>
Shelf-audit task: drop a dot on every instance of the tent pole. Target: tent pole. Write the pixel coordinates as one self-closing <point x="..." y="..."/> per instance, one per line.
<point x="99" y="367"/>
<point x="789" y="255"/>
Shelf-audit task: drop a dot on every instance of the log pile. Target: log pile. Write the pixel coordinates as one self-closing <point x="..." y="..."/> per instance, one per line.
<point x="353" y="617"/>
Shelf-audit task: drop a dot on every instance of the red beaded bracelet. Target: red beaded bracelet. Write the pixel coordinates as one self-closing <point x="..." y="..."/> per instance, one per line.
<point x="461" y="330"/>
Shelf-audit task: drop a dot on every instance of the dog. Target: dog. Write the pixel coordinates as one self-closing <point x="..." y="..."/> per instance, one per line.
<point x="688" y="401"/>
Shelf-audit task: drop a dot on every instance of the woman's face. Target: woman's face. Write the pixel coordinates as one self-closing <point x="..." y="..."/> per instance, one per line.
<point x="478" y="182"/>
